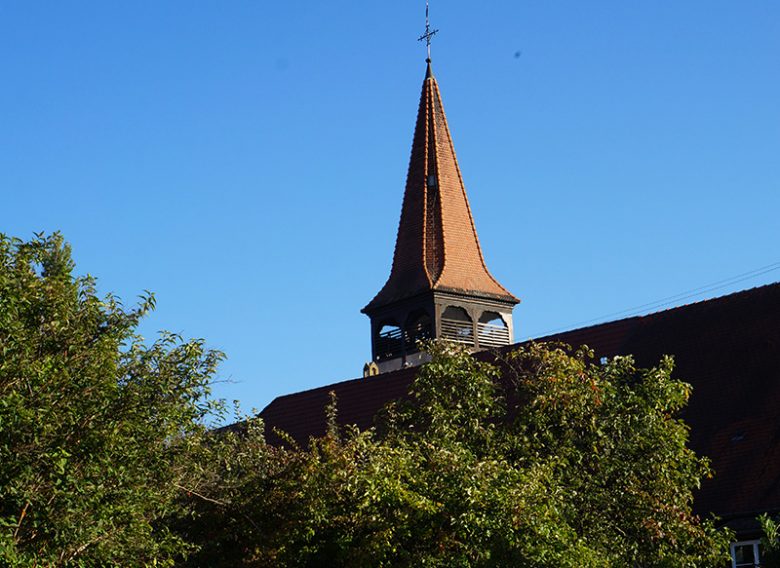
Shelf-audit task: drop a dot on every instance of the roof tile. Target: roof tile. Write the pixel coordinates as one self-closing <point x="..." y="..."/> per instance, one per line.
<point x="437" y="245"/>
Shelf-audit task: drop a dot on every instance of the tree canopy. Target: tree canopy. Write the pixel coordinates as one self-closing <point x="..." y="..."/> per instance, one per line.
<point x="543" y="458"/>
<point x="97" y="428"/>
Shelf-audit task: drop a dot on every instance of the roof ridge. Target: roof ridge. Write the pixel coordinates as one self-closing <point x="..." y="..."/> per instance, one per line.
<point x="356" y="380"/>
<point x="430" y="134"/>
<point x="656" y="313"/>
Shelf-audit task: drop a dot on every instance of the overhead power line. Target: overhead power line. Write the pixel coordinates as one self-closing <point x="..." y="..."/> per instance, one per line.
<point x="636" y="310"/>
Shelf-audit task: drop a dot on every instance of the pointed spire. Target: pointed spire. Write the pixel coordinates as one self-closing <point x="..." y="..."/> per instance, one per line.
<point x="437" y="246"/>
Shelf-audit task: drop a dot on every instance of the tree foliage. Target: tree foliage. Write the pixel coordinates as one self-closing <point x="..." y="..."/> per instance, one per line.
<point x="97" y="428"/>
<point x="543" y="460"/>
<point x="770" y="541"/>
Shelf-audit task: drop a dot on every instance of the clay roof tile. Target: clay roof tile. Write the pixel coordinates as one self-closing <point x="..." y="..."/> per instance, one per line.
<point x="437" y="247"/>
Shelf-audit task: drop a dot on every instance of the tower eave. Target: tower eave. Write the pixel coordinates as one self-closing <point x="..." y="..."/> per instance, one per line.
<point x="377" y="304"/>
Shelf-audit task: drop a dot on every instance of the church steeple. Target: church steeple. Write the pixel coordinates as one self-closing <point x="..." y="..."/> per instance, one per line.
<point x="439" y="285"/>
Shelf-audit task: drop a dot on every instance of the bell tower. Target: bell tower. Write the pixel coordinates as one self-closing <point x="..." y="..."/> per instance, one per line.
<point x="439" y="286"/>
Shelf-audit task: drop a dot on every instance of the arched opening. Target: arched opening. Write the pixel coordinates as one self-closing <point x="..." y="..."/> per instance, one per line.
<point x="492" y="330"/>
<point x="456" y="325"/>
<point x="370" y="369"/>
<point x="419" y="327"/>
<point x="389" y="340"/>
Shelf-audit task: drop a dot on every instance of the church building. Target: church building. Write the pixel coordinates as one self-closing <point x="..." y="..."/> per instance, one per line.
<point x="727" y="348"/>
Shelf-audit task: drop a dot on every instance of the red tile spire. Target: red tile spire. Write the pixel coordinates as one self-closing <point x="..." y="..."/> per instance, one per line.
<point x="437" y="246"/>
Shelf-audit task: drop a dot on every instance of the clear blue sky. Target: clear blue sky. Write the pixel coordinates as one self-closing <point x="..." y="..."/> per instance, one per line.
<point x="246" y="160"/>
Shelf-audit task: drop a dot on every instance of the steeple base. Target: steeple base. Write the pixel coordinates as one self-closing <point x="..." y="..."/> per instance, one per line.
<point x="475" y="322"/>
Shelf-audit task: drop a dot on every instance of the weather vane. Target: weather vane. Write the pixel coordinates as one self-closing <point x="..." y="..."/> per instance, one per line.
<point x="428" y="33"/>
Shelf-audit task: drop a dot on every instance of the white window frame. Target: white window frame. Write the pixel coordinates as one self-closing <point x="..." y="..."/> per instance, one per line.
<point x="756" y="551"/>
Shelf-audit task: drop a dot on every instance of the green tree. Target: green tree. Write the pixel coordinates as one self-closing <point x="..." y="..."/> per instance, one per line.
<point x="770" y="541"/>
<point x="97" y="429"/>
<point x="542" y="460"/>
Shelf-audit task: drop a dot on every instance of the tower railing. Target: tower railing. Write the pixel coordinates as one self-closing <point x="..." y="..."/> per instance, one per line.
<point x="457" y="330"/>
<point x="492" y="335"/>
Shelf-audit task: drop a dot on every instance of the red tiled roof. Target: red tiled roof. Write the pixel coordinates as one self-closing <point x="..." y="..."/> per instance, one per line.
<point x="728" y="348"/>
<point x="437" y="246"/>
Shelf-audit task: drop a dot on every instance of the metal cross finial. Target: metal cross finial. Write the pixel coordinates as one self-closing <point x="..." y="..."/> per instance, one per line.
<point x="428" y="33"/>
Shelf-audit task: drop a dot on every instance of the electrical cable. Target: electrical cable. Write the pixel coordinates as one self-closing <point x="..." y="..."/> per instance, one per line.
<point x="636" y="310"/>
